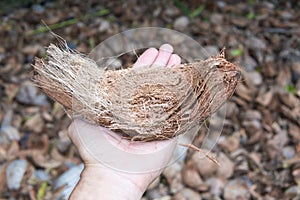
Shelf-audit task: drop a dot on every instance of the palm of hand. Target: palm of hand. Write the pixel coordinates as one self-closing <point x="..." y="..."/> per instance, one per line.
<point x="100" y="146"/>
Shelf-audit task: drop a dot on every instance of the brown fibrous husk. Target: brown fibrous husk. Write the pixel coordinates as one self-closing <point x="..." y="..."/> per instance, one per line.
<point x="145" y="103"/>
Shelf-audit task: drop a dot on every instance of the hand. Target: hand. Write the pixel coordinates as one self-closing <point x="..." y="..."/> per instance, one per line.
<point x="114" y="166"/>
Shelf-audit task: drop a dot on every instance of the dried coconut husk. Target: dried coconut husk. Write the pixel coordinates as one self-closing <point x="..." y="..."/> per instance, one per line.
<point x="145" y="103"/>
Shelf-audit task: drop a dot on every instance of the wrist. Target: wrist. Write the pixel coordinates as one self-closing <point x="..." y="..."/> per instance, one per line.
<point x="98" y="181"/>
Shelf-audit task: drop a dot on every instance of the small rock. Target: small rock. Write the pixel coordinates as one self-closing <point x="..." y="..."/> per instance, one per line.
<point x="269" y="69"/>
<point x="284" y="77"/>
<point x="221" y="4"/>
<point x="252" y="115"/>
<point x="172" y="11"/>
<point x="161" y="192"/>
<point x="292" y="193"/>
<point x="288" y="152"/>
<point x="255" y="78"/>
<point x="14" y="174"/>
<point x="187" y="194"/>
<point x="31" y="49"/>
<point x="289" y="100"/>
<point x="64" y="141"/>
<point x="176" y="39"/>
<point x="212" y="50"/>
<point x="231" y="109"/>
<point x="230" y="143"/>
<point x="268" y="5"/>
<point x="227" y="166"/>
<point x="216" y="186"/>
<point x="181" y="23"/>
<point x="8" y="133"/>
<point x="296" y="175"/>
<point x="173" y="176"/>
<point x="240" y="22"/>
<point x="41" y="175"/>
<point x="69" y="179"/>
<point x="265" y="98"/>
<point x="292" y="114"/>
<point x="28" y="95"/>
<point x="249" y="63"/>
<point x="279" y="140"/>
<point x="40" y="160"/>
<point x="35" y="123"/>
<point x="204" y="165"/>
<point x="104" y="26"/>
<point x="294" y="131"/>
<point x="47" y="116"/>
<point x="256" y="158"/>
<point x="157" y="11"/>
<point x="6" y="121"/>
<point x="216" y="18"/>
<point x="252" y="126"/>
<point x="286" y="15"/>
<point x="256" y="43"/>
<point x="236" y="190"/>
<point x="191" y="178"/>
<point x="242" y="167"/>
<point x="172" y="170"/>
<point x="38" y="8"/>
<point x="243" y="92"/>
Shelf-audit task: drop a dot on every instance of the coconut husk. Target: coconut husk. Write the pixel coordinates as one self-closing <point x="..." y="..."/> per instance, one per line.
<point x="145" y="103"/>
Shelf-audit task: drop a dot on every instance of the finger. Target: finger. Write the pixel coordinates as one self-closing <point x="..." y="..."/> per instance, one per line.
<point x="73" y="133"/>
<point x="164" y="54"/>
<point x="147" y="58"/>
<point x="174" y="60"/>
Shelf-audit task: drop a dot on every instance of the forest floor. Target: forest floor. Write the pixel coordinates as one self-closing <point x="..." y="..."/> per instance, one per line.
<point x="259" y="148"/>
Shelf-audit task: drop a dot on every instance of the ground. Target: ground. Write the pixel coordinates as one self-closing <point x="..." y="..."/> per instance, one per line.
<point x="259" y="148"/>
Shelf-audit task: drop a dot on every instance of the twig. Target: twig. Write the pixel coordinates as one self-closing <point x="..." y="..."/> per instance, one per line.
<point x="210" y="157"/>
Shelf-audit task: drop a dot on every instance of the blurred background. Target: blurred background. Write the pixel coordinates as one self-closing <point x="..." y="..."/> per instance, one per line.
<point x="259" y="149"/>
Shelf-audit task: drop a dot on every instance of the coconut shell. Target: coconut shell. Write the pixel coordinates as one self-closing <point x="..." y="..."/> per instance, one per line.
<point x="145" y="103"/>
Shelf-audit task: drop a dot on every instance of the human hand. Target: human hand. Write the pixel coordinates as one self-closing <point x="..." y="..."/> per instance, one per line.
<point x="119" y="166"/>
